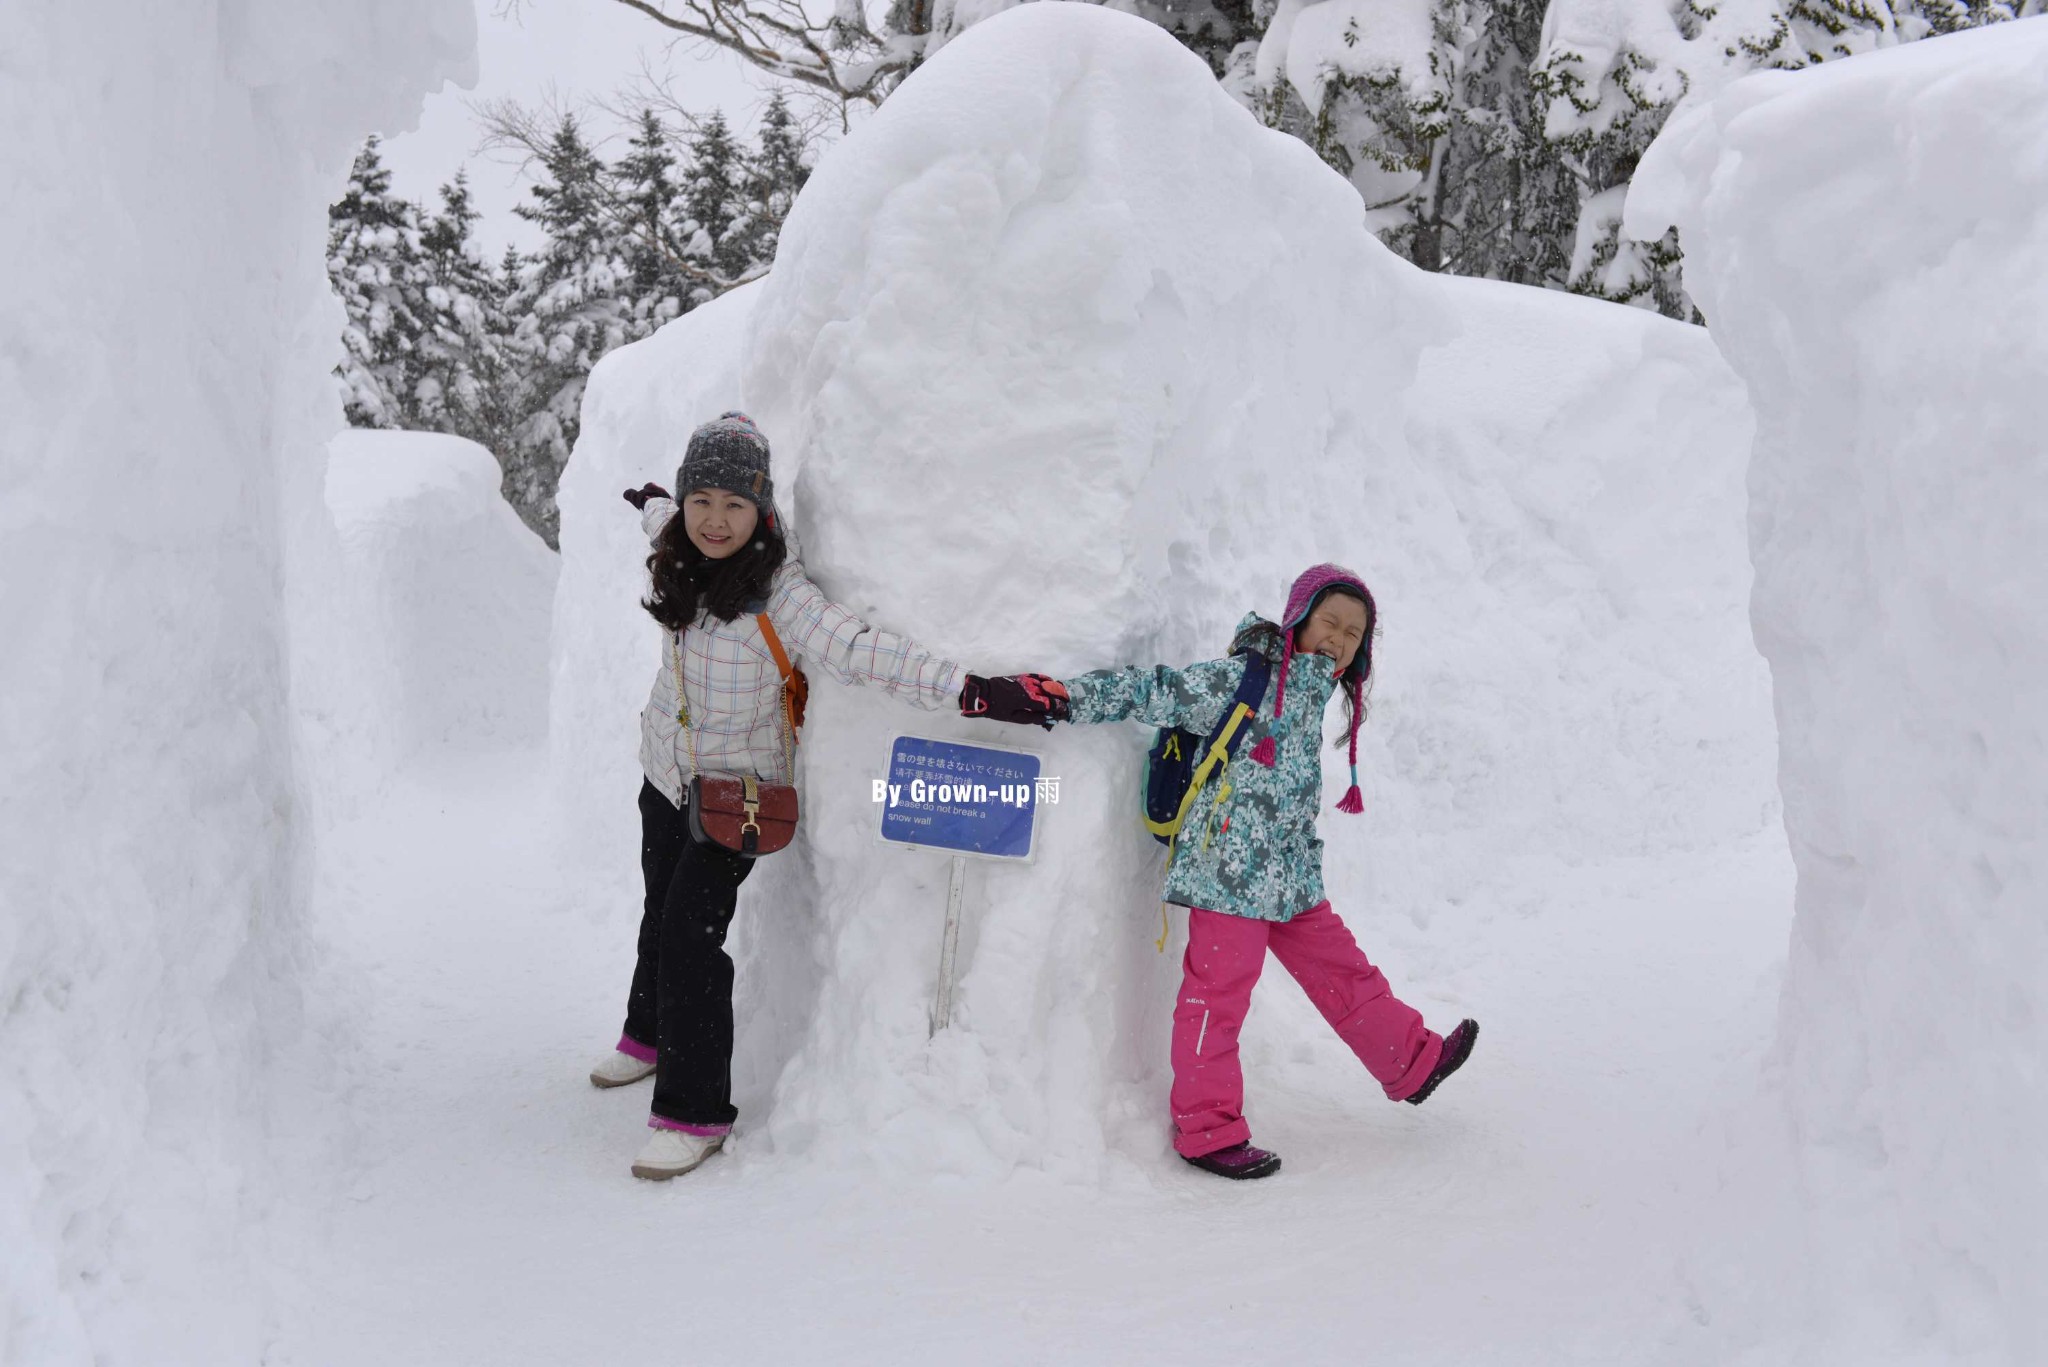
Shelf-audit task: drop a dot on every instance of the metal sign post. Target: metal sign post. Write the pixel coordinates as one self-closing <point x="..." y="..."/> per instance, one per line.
<point x="949" y="947"/>
<point x="968" y="800"/>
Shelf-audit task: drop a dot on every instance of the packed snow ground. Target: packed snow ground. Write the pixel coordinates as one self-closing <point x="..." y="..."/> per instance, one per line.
<point x="485" y="1214"/>
<point x="1019" y="415"/>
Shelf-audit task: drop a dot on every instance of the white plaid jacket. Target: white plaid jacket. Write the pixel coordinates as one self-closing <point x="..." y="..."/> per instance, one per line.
<point x="734" y="690"/>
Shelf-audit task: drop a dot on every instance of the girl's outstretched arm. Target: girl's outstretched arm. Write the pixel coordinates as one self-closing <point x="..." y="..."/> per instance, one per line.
<point x="853" y="652"/>
<point x="1195" y="697"/>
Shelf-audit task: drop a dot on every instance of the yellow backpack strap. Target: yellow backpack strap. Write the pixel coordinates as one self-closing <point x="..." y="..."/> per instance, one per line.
<point x="1219" y="753"/>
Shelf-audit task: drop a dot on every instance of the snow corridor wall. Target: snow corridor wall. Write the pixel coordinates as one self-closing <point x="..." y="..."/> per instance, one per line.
<point x="164" y="359"/>
<point x="1868" y="242"/>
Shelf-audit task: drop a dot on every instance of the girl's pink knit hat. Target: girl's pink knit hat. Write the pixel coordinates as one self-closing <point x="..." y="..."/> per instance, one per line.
<point x="1301" y="600"/>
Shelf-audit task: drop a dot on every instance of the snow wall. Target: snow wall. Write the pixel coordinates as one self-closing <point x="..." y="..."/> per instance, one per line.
<point x="1068" y="363"/>
<point x="164" y="363"/>
<point x="1868" y="241"/>
<point x="431" y="624"/>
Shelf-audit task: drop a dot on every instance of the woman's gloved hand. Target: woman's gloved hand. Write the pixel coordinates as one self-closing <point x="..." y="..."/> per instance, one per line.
<point x="638" y="497"/>
<point x="1026" y="699"/>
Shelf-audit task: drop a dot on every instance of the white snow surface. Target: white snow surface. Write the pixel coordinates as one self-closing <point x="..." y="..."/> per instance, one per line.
<point x="163" y="370"/>
<point x="449" y="593"/>
<point x="1867" y="240"/>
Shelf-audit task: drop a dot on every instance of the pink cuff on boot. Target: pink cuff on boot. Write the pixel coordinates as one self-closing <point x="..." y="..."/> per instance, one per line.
<point x="633" y="1048"/>
<point x="662" y="1122"/>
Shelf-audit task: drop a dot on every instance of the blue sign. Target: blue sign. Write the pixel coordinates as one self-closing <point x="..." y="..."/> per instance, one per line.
<point x="966" y="798"/>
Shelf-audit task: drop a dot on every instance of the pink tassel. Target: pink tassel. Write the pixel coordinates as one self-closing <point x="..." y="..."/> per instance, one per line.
<point x="1351" y="802"/>
<point x="1264" y="752"/>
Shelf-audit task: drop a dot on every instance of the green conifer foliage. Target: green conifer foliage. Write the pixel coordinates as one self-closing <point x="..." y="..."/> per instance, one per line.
<point x="440" y="338"/>
<point x="774" y="176"/>
<point x="465" y="386"/>
<point x="712" y="215"/>
<point x="373" y="263"/>
<point x="645" y="191"/>
<point x="571" y="307"/>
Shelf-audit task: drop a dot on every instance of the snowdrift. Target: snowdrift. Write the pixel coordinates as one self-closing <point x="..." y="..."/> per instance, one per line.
<point x="1068" y="363"/>
<point x="1867" y="240"/>
<point x="435" y="626"/>
<point x="163" y="368"/>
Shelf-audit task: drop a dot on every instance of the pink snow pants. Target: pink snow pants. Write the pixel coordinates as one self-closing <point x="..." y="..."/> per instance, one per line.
<point x="1225" y="954"/>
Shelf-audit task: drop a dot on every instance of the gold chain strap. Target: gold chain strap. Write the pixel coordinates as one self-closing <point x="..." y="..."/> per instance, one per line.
<point x="675" y="659"/>
<point x="787" y="730"/>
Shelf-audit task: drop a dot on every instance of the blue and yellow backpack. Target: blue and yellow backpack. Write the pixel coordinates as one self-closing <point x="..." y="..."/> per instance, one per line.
<point x="1181" y="762"/>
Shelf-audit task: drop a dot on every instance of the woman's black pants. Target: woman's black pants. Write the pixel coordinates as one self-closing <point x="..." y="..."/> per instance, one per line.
<point x="681" y="1002"/>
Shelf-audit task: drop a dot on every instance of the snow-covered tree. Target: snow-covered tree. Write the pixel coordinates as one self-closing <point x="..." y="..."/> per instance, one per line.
<point x="1498" y="137"/>
<point x="1612" y="74"/>
<point x="1487" y="137"/>
<point x="465" y="385"/>
<point x="1951" y="16"/>
<point x="774" y="176"/>
<point x="373" y="263"/>
<point x="712" y="218"/>
<point x="571" y="307"/>
<point x="1426" y="107"/>
<point x="1504" y="202"/>
<point x="644" y="192"/>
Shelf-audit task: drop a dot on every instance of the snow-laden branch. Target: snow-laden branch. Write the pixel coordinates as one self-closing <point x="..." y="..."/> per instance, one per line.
<point x="839" y="56"/>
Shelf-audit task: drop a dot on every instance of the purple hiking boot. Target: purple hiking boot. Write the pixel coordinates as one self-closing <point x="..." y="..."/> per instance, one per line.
<point x="1238" y="1162"/>
<point x="1457" y="1048"/>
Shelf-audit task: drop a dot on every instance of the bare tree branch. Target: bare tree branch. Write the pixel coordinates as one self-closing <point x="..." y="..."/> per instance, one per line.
<point x="839" y="57"/>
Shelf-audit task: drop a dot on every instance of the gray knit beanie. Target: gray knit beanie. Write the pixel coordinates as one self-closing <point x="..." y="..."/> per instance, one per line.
<point x="728" y="453"/>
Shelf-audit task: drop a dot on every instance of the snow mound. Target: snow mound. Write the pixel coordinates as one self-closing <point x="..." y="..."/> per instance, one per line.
<point x="442" y="600"/>
<point x="1867" y="240"/>
<point x="164" y="362"/>
<point x="1068" y="362"/>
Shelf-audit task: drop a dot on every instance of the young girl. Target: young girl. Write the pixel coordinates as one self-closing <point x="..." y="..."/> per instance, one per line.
<point x="1248" y="865"/>
<point x="719" y="560"/>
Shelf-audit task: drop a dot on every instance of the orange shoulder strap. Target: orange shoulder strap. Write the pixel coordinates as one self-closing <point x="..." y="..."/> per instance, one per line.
<point x="774" y="644"/>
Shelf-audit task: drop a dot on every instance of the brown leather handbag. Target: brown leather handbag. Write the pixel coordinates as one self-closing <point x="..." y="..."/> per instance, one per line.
<point x="744" y="815"/>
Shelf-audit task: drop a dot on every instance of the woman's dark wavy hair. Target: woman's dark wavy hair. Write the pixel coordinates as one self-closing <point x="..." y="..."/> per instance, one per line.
<point x="688" y="582"/>
<point x="1264" y="636"/>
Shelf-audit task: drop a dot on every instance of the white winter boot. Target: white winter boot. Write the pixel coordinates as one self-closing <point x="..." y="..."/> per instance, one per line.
<point x="617" y="1068"/>
<point x="671" y="1153"/>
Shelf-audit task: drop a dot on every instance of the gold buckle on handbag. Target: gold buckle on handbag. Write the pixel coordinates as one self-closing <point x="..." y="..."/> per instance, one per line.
<point x="750" y="797"/>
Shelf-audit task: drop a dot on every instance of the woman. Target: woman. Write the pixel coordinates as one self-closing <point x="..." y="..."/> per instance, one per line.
<point x="728" y="595"/>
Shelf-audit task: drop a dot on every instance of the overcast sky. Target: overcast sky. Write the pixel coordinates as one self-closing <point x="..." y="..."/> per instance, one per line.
<point x="579" y="50"/>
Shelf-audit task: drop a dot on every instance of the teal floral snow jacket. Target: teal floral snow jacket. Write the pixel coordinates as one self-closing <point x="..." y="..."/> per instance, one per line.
<point x="1249" y="847"/>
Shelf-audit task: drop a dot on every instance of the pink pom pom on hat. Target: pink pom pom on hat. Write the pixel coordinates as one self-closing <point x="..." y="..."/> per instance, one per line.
<point x="1301" y="600"/>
